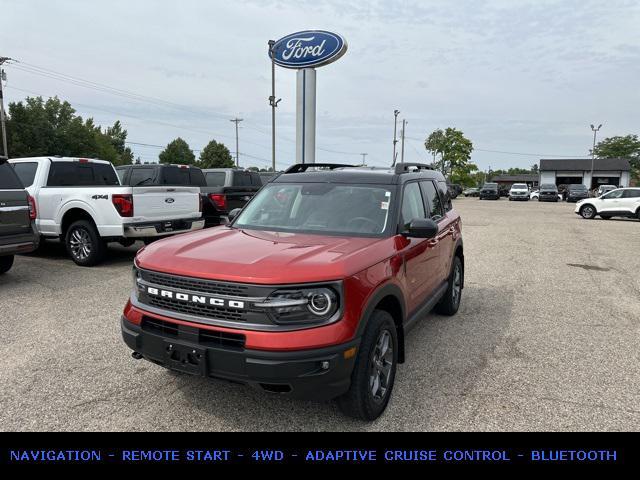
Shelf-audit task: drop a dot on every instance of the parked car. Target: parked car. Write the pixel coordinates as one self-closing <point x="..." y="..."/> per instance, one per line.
<point x="519" y="191"/>
<point x="504" y="191"/>
<point x="621" y="202"/>
<point x="173" y="175"/>
<point x="549" y="193"/>
<point x="454" y="189"/>
<point x="299" y="295"/>
<point x="17" y="212"/>
<point x="490" y="190"/>
<point x="229" y="188"/>
<point x="266" y="177"/>
<point x="471" y="192"/>
<point x="602" y="189"/>
<point x="81" y="202"/>
<point x="575" y="192"/>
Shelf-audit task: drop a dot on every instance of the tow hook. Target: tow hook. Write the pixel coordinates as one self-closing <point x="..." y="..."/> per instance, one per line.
<point x="136" y="355"/>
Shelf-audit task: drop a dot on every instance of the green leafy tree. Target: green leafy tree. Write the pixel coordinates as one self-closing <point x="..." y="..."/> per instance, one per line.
<point x="454" y="150"/>
<point x="37" y="127"/>
<point x="627" y="146"/>
<point x="215" y="155"/>
<point x="178" y="151"/>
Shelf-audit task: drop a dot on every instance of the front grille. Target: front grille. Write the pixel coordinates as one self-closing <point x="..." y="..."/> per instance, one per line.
<point x="186" y="283"/>
<point x="204" y="337"/>
<point x="208" y="311"/>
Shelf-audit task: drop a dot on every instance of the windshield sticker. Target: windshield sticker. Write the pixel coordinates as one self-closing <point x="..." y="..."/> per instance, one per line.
<point x="384" y="205"/>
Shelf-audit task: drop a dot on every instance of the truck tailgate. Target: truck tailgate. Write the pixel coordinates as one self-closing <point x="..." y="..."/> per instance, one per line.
<point x="14" y="212"/>
<point x="166" y="203"/>
<point x="237" y="197"/>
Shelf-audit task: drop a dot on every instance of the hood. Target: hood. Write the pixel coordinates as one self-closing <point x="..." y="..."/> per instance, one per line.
<point x="252" y="256"/>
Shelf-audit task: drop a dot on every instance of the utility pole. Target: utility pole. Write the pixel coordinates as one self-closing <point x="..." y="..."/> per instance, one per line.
<point x="363" y="158"/>
<point x="593" y="151"/>
<point x="237" y="121"/>
<point x="395" y="140"/>
<point x="404" y="126"/>
<point x="274" y="103"/>
<point x="5" y="152"/>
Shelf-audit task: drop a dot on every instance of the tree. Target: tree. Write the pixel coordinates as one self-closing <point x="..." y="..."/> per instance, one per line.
<point x="178" y="151"/>
<point x="534" y="169"/>
<point x="454" y="150"/>
<point x="37" y="127"/>
<point x="623" y="147"/>
<point x="215" y="155"/>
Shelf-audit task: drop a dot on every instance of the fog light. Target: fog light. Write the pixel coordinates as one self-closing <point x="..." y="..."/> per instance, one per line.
<point x="324" y="365"/>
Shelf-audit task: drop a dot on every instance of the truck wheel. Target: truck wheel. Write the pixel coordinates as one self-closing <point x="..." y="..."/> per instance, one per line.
<point x="374" y="371"/>
<point x="5" y="263"/>
<point x="84" y="244"/>
<point x="450" y="302"/>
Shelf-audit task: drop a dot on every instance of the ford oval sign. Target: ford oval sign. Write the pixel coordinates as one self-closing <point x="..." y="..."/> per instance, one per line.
<point x="308" y="49"/>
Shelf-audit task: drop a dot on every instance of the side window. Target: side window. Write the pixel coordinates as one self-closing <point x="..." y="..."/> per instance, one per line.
<point x="631" y="193"/>
<point x="8" y="178"/>
<point x="613" y="194"/>
<point x="445" y="196"/>
<point x="412" y="204"/>
<point x="26" y="171"/>
<point x="241" y="179"/>
<point x="215" y="179"/>
<point x="434" y="202"/>
<point x="197" y="177"/>
<point x="141" y="176"/>
<point x="122" y="173"/>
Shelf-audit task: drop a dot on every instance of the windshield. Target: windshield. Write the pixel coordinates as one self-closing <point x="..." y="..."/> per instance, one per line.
<point x="324" y="208"/>
<point x="490" y="186"/>
<point x="577" y="187"/>
<point x="519" y="186"/>
<point x="548" y="186"/>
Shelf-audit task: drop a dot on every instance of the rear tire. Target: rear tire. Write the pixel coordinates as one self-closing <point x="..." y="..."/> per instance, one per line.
<point x="374" y="371"/>
<point x="84" y="244"/>
<point x="450" y="302"/>
<point x="6" y="263"/>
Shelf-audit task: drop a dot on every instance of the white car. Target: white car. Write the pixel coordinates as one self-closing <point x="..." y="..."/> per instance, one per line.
<point x="621" y="202"/>
<point x="535" y="195"/>
<point x="602" y="189"/>
<point x="81" y="202"/>
<point x="519" y="191"/>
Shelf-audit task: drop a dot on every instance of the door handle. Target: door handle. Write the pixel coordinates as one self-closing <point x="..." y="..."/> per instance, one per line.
<point x="433" y="243"/>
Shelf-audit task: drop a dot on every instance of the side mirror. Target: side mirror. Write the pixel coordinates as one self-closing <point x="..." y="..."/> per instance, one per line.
<point x="421" y="228"/>
<point x="234" y="213"/>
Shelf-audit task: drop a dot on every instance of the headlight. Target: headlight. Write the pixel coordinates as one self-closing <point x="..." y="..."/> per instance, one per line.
<point x="303" y="305"/>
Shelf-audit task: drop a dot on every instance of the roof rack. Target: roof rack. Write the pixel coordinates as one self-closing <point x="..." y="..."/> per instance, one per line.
<point x="405" y="167"/>
<point x="303" y="167"/>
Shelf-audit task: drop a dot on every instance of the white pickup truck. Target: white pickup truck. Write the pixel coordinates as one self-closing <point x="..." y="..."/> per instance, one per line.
<point x="82" y="202"/>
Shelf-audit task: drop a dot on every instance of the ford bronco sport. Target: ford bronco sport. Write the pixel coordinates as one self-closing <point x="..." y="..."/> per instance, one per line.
<point x="310" y="290"/>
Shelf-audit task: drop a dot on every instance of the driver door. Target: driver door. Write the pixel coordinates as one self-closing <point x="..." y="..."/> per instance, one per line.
<point x="611" y="202"/>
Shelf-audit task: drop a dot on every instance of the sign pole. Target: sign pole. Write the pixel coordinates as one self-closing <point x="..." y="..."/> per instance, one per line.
<point x="306" y="116"/>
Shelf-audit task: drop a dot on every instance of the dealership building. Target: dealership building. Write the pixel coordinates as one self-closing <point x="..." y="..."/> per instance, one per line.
<point x="606" y="171"/>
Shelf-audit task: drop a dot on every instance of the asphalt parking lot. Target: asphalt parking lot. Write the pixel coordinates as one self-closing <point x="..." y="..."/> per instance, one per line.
<point x="546" y="339"/>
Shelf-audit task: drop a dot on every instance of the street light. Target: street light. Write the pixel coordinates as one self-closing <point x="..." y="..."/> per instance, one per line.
<point x="593" y="150"/>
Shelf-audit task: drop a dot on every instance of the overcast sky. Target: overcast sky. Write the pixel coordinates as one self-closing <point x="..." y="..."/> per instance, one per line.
<point x="514" y="76"/>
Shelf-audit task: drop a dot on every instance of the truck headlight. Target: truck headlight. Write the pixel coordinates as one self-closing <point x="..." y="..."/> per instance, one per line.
<point x="302" y="305"/>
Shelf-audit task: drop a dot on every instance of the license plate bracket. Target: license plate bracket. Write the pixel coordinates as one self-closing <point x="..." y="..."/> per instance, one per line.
<point x="186" y="358"/>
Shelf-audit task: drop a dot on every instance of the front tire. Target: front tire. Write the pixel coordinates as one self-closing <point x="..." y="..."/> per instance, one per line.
<point x="588" y="212"/>
<point x="450" y="302"/>
<point x="84" y="244"/>
<point x="374" y="372"/>
<point x="6" y="262"/>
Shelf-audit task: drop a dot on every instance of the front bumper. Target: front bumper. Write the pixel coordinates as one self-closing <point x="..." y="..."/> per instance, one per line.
<point x="162" y="228"/>
<point x="318" y="374"/>
<point x="524" y="196"/>
<point x="548" y="197"/>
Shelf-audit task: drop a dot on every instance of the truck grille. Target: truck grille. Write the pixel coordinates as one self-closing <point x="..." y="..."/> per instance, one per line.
<point x="205" y="337"/>
<point x="209" y="311"/>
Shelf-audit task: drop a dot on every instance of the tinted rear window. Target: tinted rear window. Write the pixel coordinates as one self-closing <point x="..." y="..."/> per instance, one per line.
<point x="216" y="179"/>
<point x="26" y="172"/>
<point x="175" y="176"/>
<point x="8" y="178"/>
<point x="69" y="174"/>
<point x="142" y="176"/>
<point x="246" y="179"/>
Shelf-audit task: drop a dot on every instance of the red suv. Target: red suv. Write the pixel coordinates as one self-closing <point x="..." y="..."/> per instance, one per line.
<point x="310" y="290"/>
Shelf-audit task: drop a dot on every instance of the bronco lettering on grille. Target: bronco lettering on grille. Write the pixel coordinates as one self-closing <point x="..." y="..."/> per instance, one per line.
<point x="185" y="297"/>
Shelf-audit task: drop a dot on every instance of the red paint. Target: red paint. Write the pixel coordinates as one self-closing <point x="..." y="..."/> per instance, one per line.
<point x="249" y="256"/>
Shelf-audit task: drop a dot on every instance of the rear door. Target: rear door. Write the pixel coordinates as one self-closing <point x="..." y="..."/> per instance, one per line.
<point x="631" y="200"/>
<point x="14" y="203"/>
